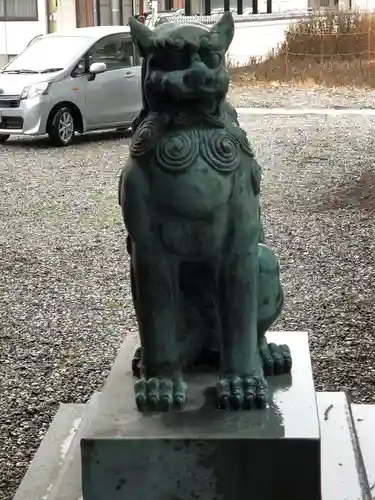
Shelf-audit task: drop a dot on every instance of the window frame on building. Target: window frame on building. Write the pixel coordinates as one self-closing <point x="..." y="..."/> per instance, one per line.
<point x="4" y="9"/>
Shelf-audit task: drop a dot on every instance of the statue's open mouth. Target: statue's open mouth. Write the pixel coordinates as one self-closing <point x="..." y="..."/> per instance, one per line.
<point x="190" y="86"/>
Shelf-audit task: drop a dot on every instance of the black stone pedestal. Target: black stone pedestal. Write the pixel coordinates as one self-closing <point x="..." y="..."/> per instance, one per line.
<point x="204" y="469"/>
<point x="204" y="453"/>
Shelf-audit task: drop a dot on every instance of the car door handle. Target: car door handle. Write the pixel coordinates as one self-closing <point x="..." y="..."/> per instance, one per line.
<point x="129" y="74"/>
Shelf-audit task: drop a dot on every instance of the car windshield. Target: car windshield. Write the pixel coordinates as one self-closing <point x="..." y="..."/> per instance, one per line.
<point x="48" y="54"/>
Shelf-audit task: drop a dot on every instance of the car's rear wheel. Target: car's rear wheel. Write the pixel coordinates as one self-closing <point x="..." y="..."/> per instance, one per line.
<point x="61" y="128"/>
<point x="4" y="137"/>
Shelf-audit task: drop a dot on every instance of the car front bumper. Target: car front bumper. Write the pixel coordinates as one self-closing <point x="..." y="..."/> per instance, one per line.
<point x="24" y="116"/>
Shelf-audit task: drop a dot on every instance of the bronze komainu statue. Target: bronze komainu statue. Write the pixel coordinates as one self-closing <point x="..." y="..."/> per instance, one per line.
<point x="205" y="286"/>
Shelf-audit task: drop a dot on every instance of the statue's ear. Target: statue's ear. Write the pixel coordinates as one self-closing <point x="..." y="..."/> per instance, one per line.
<point x="225" y="29"/>
<point x="141" y="35"/>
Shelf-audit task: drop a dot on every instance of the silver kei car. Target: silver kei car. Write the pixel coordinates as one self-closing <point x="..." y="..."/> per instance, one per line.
<point x="78" y="81"/>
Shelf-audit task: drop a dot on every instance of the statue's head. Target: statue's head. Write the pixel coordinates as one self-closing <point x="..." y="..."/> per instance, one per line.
<point x="184" y="65"/>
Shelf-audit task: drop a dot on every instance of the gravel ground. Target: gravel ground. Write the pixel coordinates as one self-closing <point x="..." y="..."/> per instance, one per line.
<point x="286" y="96"/>
<point x="65" y="300"/>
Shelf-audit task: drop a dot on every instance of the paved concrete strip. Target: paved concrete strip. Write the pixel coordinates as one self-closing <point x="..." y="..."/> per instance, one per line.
<point x="45" y="467"/>
<point x="305" y="111"/>
<point x="364" y="421"/>
<point x="343" y="474"/>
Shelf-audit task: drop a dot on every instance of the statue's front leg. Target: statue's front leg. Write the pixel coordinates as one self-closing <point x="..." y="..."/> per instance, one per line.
<point x="161" y="385"/>
<point x="242" y="383"/>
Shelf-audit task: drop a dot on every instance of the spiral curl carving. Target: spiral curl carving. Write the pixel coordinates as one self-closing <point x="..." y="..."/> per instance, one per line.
<point x="143" y="140"/>
<point x="176" y="152"/>
<point x="220" y="150"/>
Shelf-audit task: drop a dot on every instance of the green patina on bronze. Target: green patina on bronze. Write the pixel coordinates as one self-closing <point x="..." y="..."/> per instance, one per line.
<point x="205" y="286"/>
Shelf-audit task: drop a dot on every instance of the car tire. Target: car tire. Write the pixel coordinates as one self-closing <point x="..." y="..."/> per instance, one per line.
<point x="4" y="137"/>
<point x="61" y="128"/>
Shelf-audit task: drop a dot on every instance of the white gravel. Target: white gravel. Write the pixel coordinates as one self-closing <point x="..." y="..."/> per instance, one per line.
<point x="65" y="294"/>
<point x="319" y="201"/>
<point x="287" y="96"/>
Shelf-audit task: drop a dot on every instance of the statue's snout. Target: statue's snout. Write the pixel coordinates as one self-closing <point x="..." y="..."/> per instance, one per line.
<point x="194" y="78"/>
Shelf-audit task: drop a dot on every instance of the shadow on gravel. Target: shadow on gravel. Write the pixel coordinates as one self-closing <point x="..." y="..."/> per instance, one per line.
<point x="357" y="194"/>
<point x="44" y="143"/>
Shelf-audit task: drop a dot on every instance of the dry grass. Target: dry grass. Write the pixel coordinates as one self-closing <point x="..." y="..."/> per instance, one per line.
<point x="332" y="49"/>
<point x="357" y="194"/>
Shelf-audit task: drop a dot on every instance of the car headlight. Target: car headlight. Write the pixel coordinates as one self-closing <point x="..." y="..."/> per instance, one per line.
<point x="35" y="90"/>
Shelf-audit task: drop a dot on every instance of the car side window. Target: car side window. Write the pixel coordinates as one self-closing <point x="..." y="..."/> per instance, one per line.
<point x="116" y="51"/>
<point x="81" y="67"/>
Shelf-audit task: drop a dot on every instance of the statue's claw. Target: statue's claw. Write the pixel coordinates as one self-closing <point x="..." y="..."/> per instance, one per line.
<point x="234" y="392"/>
<point x="277" y="359"/>
<point x="160" y="394"/>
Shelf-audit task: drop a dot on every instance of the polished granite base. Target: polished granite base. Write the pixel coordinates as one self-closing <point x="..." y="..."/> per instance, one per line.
<point x="285" y="451"/>
<point x="205" y="453"/>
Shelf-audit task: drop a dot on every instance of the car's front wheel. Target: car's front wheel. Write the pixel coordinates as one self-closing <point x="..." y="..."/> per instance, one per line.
<point x="4" y="137"/>
<point x="61" y="128"/>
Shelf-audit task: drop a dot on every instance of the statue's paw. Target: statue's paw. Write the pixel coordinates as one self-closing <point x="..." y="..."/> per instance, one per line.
<point x="234" y="392"/>
<point x="277" y="359"/>
<point x="160" y="394"/>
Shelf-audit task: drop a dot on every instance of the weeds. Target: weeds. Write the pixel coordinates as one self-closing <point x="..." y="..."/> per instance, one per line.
<point x="331" y="48"/>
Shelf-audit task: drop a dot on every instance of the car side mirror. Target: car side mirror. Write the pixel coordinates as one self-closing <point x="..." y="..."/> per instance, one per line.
<point x="96" y="68"/>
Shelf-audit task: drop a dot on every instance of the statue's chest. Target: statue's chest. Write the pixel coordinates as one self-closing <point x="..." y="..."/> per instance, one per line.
<point x="189" y="169"/>
<point x="203" y="149"/>
<point x="196" y="192"/>
<point x="176" y="151"/>
<point x="195" y="169"/>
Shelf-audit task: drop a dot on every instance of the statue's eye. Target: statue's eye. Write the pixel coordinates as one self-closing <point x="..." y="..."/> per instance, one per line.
<point x="211" y="59"/>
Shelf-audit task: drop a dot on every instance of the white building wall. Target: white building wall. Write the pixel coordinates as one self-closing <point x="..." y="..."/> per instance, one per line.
<point x="66" y="18"/>
<point x="363" y="5"/>
<point x="256" y="39"/>
<point x="15" y="35"/>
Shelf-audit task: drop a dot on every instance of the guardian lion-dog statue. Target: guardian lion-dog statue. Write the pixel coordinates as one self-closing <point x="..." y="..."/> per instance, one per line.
<point x="205" y="286"/>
